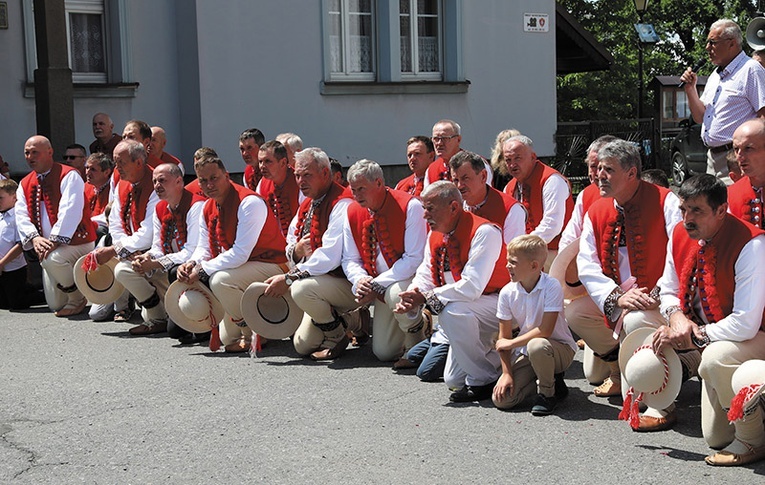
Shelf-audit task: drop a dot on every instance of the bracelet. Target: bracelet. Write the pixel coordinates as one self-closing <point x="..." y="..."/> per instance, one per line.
<point x="610" y="307"/>
<point x="432" y="301"/>
<point x="669" y="311"/>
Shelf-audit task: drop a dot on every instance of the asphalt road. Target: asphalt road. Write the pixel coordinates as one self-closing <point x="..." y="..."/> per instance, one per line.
<point x="87" y="403"/>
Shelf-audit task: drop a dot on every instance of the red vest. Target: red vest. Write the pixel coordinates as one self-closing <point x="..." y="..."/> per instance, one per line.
<point x="590" y="194"/>
<point x="252" y="176"/>
<point x="385" y="231"/>
<point x="51" y="194"/>
<point x="282" y="200"/>
<point x="744" y="203"/>
<point x="439" y="170"/>
<point x="458" y="249"/>
<point x="167" y="158"/>
<point x="195" y="189"/>
<point x="411" y="186"/>
<point x="320" y="220"/>
<point x="495" y="210"/>
<point x="173" y="223"/>
<point x="95" y="200"/>
<point x="223" y="221"/>
<point x="720" y="256"/>
<point x="533" y="201"/>
<point x="139" y="200"/>
<point x="645" y="231"/>
<point x="153" y="161"/>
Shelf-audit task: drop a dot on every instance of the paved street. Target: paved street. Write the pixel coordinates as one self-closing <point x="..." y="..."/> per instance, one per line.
<point x="85" y="403"/>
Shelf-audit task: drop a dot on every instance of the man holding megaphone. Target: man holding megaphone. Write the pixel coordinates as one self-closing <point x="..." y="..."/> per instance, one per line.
<point x="735" y="93"/>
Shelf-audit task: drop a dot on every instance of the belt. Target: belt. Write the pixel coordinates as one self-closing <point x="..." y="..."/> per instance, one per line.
<point x="721" y="148"/>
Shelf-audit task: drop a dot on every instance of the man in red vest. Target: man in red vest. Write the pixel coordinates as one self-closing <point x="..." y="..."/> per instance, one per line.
<point x="419" y="155"/>
<point x="745" y="197"/>
<point x="384" y="240"/>
<point x="249" y="146"/>
<point x="278" y="186"/>
<point x="239" y="243"/>
<point x="157" y="147"/>
<point x="140" y="131"/>
<point x="459" y="280"/>
<point x="175" y="235"/>
<point x="711" y="294"/>
<point x="447" y="136"/>
<point x="130" y="218"/>
<point x="293" y="143"/>
<point x="544" y="192"/>
<point x="314" y="253"/>
<point x="53" y="219"/>
<point x="621" y="257"/>
<point x="98" y="190"/>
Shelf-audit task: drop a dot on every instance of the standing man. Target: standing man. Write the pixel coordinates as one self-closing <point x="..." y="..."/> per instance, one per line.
<point x="249" y="146"/>
<point x="383" y="243"/>
<point x="711" y="293"/>
<point x="314" y="252"/>
<point x="74" y="156"/>
<point x="447" y="136"/>
<point x="745" y="197"/>
<point x="542" y="190"/>
<point x="278" y="186"/>
<point x="735" y="92"/>
<point x="621" y="257"/>
<point x="52" y="219"/>
<point x="239" y="243"/>
<point x="106" y="139"/>
<point x="157" y="147"/>
<point x="419" y="155"/>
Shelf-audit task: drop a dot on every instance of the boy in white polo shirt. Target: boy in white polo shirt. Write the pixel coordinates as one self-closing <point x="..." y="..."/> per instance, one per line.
<point x="13" y="266"/>
<point x="534" y="361"/>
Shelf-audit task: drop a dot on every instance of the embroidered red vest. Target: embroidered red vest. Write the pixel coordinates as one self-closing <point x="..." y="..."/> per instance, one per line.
<point x="222" y="223"/>
<point x="411" y="186"/>
<point x="716" y="283"/>
<point x="320" y="220"/>
<point x="590" y="194"/>
<point x="252" y="176"/>
<point x="495" y="210"/>
<point x="195" y="189"/>
<point x="533" y="202"/>
<point x="282" y="200"/>
<point x="384" y="232"/>
<point x="139" y="201"/>
<point x="744" y="203"/>
<point x="51" y="193"/>
<point x="438" y="170"/>
<point x="458" y="249"/>
<point x="645" y="232"/>
<point x="173" y="227"/>
<point x="96" y="201"/>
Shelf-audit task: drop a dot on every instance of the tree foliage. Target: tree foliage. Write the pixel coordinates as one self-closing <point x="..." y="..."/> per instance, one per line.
<point x="682" y="26"/>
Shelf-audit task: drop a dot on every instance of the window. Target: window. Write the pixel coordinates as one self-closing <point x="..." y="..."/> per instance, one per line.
<point x="420" y="39"/>
<point x="87" y="42"/>
<point x="352" y="39"/>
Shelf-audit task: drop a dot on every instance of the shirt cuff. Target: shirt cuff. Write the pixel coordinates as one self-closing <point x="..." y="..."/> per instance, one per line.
<point x="433" y="302"/>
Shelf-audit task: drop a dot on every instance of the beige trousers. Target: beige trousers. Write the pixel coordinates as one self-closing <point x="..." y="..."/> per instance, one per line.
<point x="535" y="373"/>
<point x="718" y="362"/>
<point x="142" y="288"/>
<point x="391" y="330"/>
<point x="319" y="297"/>
<point x="59" y="270"/>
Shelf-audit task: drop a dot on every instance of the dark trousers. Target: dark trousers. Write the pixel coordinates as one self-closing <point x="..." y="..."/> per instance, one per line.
<point x="14" y="291"/>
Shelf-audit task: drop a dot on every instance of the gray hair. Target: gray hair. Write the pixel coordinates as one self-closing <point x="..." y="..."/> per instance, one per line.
<point x="135" y="149"/>
<point x="730" y="30"/>
<point x="475" y="160"/>
<point x="523" y="139"/>
<point x="625" y="152"/>
<point x="443" y="191"/>
<point x="313" y="155"/>
<point x="103" y="160"/>
<point x="291" y="140"/>
<point x="365" y="169"/>
<point x="172" y="169"/>
<point x="599" y="143"/>
<point x="456" y="128"/>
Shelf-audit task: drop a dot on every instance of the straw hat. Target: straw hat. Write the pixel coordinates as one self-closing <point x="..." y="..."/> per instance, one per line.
<point x="193" y="307"/>
<point x="748" y="383"/>
<point x="273" y="318"/>
<point x="98" y="285"/>
<point x="565" y="263"/>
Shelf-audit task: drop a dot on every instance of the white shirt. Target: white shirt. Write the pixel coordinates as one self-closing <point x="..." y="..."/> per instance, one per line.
<point x="528" y="308"/>
<point x="555" y="192"/>
<point x="69" y="212"/>
<point x="9" y="236"/>
<point x="748" y="299"/>
<point x="598" y="285"/>
<point x="574" y="227"/>
<point x="142" y="236"/>
<point x="415" y="237"/>
<point x="251" y="217"/>
<point x="330" y="255"/>
<point x="192" y="238"/>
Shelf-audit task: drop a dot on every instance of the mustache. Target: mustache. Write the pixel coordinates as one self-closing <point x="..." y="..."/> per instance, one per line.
<point x="690" y="226"/>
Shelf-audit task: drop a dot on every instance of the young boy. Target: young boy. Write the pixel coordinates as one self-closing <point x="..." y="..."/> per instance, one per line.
<point x="13" y="266"/>
<point x="534" y="361"/>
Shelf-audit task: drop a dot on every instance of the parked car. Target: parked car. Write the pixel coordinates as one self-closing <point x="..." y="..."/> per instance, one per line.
<point x="688" y="155"/>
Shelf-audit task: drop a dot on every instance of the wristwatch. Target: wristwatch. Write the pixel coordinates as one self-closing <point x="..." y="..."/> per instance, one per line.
<point x="702" y="341"/>
<point x="289" y="279"/>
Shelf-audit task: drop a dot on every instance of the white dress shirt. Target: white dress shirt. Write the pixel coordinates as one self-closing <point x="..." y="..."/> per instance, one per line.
<point x="555" y="192"/>
<point x="142" y="236"/>
<point x="329" y="256"/>
<point x="574" y="227"/>
<point x="9" y="236"/>
<point x="183" y="254"/>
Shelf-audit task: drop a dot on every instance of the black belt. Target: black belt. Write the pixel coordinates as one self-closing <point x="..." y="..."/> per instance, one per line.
<point x="721" y="148"/>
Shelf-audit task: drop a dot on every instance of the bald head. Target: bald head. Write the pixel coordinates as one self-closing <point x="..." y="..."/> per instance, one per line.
<point x="38" y="153"/>
<point x="168" y="182"/>
<point x="749" y="149"/>
<point x="158" y="141"/>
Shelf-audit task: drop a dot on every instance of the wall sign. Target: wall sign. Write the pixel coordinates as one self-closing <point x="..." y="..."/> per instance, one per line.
<point x="536" y="22"/>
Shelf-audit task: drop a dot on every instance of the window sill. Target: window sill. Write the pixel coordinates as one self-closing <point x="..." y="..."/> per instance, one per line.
<point x="113" y="90"/>
<point x="334" y="88"/>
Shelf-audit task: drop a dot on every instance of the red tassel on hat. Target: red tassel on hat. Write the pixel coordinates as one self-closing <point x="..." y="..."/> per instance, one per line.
<point x="90" y="263"/>
<point x="635" y="412"/>
<point x="215" y="339"/>
<point x="624" y="415"/>
<point x="256" y="344"/>
<point x="736" y="410"/>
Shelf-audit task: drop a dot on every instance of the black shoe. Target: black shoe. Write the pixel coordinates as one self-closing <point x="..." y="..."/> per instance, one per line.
<point x="544" y="406"/>
<point x="194" y="338"/>
<point x="472" y="393"/>
<point x="561" y="390"/>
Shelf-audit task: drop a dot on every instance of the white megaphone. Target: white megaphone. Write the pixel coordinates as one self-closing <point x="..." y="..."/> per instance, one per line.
<point x="755" y="33"/>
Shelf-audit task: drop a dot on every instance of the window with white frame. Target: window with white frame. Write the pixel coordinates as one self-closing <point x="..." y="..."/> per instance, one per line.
<point x="420" y="30"/>
<point x="352" y="39"/>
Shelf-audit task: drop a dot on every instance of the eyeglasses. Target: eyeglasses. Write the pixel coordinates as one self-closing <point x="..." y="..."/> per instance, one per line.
<point x="714" y="42"/>
<point x="437" y="139"/>
<point x="72" y="157"/>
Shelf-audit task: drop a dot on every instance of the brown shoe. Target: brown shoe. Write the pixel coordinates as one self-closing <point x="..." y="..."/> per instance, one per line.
<point x="726" y="458"/>
<point x="404" y="363"/>
<point x="362" y="336"/>
<point x="71" y="309"/>
<point x="334" y="352"/>
<point x="649" y="424"/>
<point x="608" y="388"/>
<point x="241" y="345"/>
<point x="145" y="329"/>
